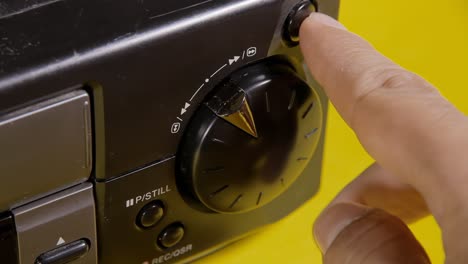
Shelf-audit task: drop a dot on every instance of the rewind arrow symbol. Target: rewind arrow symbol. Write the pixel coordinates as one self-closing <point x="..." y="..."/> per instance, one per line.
<point x="183" y="110"/>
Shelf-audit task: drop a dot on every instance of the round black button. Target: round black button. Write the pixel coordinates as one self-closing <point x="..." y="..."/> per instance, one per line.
<point x="293" y="23"/>
<point x="150" y="214"/>
<point x="171" y="235"/>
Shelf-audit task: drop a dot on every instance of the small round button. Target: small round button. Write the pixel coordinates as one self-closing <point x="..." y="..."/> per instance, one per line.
<point x="171" y="235"/>
<point x="150" y="214"/>
<point x="293" y="23"/>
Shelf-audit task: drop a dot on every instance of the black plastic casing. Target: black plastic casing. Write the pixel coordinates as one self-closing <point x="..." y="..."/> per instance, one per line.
<point x="142" y="61"/>
<point x="8" y="241"/>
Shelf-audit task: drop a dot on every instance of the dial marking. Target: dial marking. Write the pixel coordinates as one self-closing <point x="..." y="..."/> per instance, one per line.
<point x="308" y="110"/>
<point x="243" y="119"/>
<point x="195" y="94"/>
<point x="219" y="190"/>
<point x="217" y="140"/>
<point x="292" y="99"/>
<point x="235" y="201"/>
<point x="222" y="67"/>
<point x="259" y="197"/>
<point x="301" y="158"/>
<point x="282" y="181"/>
<point x="214" y="169"/>
<point x="233" y="106"/>
<point x="308" y="135"/>
<point x="267" y="102"/>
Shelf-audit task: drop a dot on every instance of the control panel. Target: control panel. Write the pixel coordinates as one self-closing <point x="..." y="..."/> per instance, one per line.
<point x="152" y="132"/>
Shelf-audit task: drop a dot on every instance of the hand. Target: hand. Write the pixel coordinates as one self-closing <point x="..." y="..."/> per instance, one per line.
<point x="418" y="139"/>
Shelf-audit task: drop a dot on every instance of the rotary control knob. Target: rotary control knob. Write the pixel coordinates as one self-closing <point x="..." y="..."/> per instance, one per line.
<point x="250" y="139"/>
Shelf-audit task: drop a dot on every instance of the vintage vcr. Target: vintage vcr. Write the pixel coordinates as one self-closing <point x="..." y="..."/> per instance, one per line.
<point x="152" y="131"/>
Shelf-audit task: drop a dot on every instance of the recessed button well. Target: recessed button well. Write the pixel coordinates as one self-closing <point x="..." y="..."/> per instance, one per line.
<point x="293" y="23"/>
<point x="150" y="214"/>
<point x="171" y="235"/>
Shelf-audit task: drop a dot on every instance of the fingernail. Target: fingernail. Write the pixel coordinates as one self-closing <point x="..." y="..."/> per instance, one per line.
<point x="325" y="20"/>
<point x="333" y="220"/>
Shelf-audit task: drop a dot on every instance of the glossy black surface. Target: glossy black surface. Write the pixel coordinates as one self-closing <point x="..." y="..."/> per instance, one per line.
<point x="141" y="69"/>
<point x="293" y="23"/>
<point x="230" y="171"/>
<point x="150" y="214"/>
<point x="171" y="235"/>
<point x="65" y="254"/>
<point x="148" y="65"/>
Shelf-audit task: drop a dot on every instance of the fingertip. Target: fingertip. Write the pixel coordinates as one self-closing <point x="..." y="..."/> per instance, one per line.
<point x="352" y="233"/>
<point x="333" y="220"/>
<point x="322" y="19"/>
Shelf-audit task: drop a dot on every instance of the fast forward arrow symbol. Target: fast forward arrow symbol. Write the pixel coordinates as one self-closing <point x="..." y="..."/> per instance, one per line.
<point x="235" y="59"/>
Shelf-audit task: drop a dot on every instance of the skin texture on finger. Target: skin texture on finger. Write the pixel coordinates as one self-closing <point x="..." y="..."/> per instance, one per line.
<point x="400" y="119"/>
<point x="378" y="188"/>
<point x="375" y="188"/>
<point x="375" y="237"/>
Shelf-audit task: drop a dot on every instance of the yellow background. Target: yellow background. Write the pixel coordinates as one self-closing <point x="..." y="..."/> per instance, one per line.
<point x="428" y="37"/>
